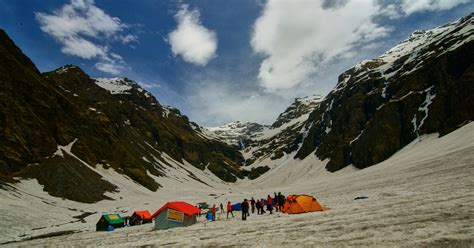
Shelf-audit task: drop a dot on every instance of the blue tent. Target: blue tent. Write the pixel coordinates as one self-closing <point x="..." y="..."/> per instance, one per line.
<point x="237" y="207"/>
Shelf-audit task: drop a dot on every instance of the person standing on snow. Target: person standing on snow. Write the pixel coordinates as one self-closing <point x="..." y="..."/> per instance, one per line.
<point x="252" y="203"/>
<point x="222" y="208"/>
<point x="269" y="204"/>
<point x="257" y="205"/>
<point x="262" y="206"/>
<point x="213" y="210"/>
<point x="245" y="209"/>
<point x="281" y="201"/>
<point x="275" y="201"/>
<point x="229" y="210"/>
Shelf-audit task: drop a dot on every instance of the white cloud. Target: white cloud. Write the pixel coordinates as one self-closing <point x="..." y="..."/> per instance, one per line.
<point x="111" y="68"/>
<point x="147" y="85"/>
<point x="299" y="38"/>
<point x="194" y="42"/>
<point x="217" y="102"/>
<point x="392" y="11"/>
<point x="410" y="6"/>
<point x="80" y="26"/>
<point x="129" y="38"/>
<point x="82" y="48"/>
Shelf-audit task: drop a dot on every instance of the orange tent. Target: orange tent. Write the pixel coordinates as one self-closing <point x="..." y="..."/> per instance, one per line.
<point x="296" y="204"/>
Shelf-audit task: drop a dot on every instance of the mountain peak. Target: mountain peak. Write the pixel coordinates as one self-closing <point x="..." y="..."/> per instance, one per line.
<point x="66" y="68"/>
<point x="116" y="85"/>
<point x="300" y="107"/>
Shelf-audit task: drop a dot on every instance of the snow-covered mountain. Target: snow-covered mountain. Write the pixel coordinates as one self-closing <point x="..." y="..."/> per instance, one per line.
<point x="377" y="107"/>
<point x="260" y="143"/>
<point x="422" y="85"/>
<point x="60" y="126"/>
<point x="237" y="133"/>
<point x="69" y="141"/>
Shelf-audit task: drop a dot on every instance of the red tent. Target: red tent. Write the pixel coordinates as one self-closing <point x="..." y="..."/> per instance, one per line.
<point x="144" y="215"/>
<point x="184" y="207"/>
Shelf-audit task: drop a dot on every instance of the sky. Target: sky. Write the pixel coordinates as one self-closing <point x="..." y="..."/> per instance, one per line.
<point x="220" y="61"/>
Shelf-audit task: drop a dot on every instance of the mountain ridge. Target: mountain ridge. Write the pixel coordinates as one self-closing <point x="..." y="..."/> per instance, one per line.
<point x="124" y="128"/>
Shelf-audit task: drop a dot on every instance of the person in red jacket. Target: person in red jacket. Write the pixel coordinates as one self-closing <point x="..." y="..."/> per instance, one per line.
<point x="269" y="204"/>
<point x="229" y="210"/>
<point x="213" y="212"/>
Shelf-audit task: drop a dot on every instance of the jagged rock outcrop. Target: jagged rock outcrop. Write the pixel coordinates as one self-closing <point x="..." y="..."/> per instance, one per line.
<point x="423" y="85"/>
<point x="260" y="142"/>
<point x="109" y="122"/>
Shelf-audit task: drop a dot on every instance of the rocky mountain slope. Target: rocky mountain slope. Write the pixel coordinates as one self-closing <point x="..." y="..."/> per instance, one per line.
<point x="422" y="85"/>
<point x="260" y="143"/>
<point x="58" y="126"/>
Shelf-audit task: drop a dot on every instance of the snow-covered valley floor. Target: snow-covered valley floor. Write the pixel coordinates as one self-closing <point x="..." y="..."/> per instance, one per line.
<point x="422" y="196"/>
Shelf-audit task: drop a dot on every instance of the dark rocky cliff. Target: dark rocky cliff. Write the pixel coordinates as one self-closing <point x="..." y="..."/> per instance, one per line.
<point x="127" y="131"/>
<point x="423" y="85"/>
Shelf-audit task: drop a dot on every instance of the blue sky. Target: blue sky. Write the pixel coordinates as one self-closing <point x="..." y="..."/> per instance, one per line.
<point x="219" y="61"/>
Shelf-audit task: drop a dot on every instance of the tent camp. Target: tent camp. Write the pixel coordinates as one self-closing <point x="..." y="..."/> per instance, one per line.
<point x="175" y="214"/>
<point x="106" y="220"/>
<point x="296" y="204"/>
<point x="140" y="217"/>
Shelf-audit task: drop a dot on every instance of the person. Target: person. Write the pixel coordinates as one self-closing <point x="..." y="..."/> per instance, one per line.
<point x="257" y="205"/>
<point x="125" y="220"/>
<point x="269" y="204"/>
<point x="248" y="207"/>
<point x="262" y="206"/>
<point x="229" y="210"/>
<point x="252" y="203"/>
<point x="213" y="212"/>
<point x="281" y="201"/>
<point x="222" y="208"/>
<point x="245" y="209"/>
<point x="275" y="201"/>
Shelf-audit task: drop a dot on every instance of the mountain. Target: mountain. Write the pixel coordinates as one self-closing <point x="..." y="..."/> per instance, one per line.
<point x="262" y="144"/>
<point x="423" y="85"/>
<point x="58" y="127"/>
<point x="235" y="133"/>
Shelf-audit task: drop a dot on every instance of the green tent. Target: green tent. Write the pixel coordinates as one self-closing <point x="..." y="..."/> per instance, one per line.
<point x="106" y="220"/>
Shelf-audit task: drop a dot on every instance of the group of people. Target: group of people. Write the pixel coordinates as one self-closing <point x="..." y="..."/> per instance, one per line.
<point x="276" y="202"/>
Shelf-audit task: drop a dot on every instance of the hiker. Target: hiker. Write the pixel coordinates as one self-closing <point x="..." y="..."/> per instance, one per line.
<point x="275" y="201"/>
<point x="248" y="208"/>
<point x="229" y="210"/>
<point x="257" y="205"/>
<point x="213" y="212"/>
<point x="252" y="203"/>
<point x="245" y="209"/>
<point x="222" y="208"/>
<point x="269" y="204"/>
<point x="281" y="201"/>
<point x="262" y="206"/>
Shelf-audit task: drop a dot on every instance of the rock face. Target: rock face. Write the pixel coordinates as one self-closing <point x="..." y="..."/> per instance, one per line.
<point x="237" y="133"/>
<point x="260" y="143"/>
<point x="108" y="122"/>
<point x="423" y="85"/>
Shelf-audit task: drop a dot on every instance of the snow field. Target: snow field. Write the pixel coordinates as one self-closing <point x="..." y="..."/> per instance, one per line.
<point x="421" y="196"/>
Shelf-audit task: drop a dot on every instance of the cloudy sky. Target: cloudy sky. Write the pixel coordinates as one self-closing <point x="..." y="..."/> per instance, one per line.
<point x="220" y="61"/>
